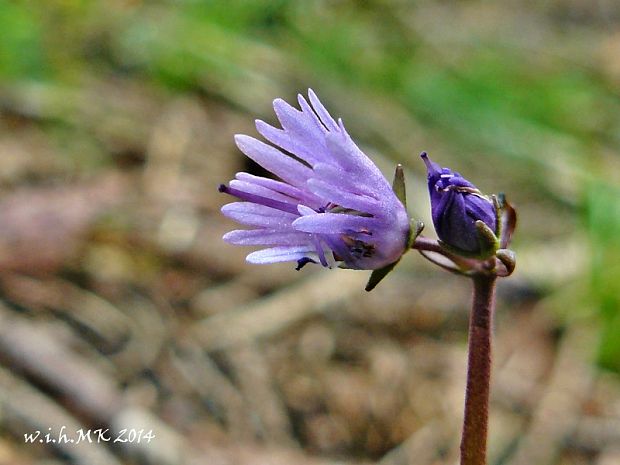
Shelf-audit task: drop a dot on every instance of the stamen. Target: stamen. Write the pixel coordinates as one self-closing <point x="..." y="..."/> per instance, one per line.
<point x="461" y="189"/>
<point x="319" y="250"/>
<point x="357" y="248"/>
<point x="303" y="262"/>
<point x="349" y="211"/>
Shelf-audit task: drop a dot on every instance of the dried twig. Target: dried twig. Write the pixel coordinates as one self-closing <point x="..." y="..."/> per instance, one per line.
<point x="424" y="447"/>
<point x="252" y="372"/>
<point x="32" y="350"/>
<point x="202" y="374"/>
<point x="567" y="388"/>
<point x="26" y="410"/>
<point x="275" y="313"/>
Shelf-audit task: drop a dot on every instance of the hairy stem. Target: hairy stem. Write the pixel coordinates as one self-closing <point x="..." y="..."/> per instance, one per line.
<point x="475" y="423"/>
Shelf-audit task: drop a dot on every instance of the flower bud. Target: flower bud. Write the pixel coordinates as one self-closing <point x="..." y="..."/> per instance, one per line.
<point x="464" y="219"/>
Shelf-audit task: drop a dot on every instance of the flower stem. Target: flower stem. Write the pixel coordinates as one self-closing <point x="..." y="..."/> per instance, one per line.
<point x="425" y="244"/>
<point x="475" y="423"/>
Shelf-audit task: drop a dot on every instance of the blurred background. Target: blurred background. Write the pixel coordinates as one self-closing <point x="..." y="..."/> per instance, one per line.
<point x="121" y="308"/>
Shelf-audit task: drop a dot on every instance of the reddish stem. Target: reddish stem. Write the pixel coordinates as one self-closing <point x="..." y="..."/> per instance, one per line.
<point x="475" y="423"/>
<point x="425" y="244"/>
<point x="428" y="244"/>
<point x="476" y="418"/>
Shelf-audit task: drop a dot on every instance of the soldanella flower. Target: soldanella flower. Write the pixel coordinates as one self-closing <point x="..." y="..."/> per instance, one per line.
<point x="331" y="205"/>
<point x="457" y="208"/>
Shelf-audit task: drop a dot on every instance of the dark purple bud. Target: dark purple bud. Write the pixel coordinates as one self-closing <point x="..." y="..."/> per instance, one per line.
<point x="456" y="205"/>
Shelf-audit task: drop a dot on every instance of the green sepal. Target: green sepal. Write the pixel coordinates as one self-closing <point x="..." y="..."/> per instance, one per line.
<point x="377" y="275"/>
<point x="482" y="255"/>
<point x="489" y="243"/>
<point x="415" y="229"/>
<point x="498" y="202"/>
<point x="398" y="185"/>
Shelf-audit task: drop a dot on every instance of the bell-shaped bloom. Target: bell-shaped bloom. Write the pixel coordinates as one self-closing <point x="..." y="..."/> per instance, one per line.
<point x="456" y="205"/>
<point x="331" y="205"/>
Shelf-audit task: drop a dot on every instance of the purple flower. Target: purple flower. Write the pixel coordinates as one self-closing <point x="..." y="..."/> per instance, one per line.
<point x="456" y="205"/>
<point x="331" y="204"/>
